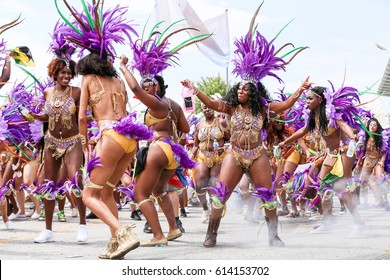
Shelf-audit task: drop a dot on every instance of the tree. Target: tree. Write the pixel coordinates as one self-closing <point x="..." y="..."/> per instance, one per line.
<point x="214" y="87"/>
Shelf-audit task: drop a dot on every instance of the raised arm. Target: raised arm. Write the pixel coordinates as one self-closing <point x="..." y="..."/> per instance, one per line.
<point x="297" y="134"/>
<point x="146" y="98"/>
<point x="216" y="105"/>
<point x="277" y="107"/>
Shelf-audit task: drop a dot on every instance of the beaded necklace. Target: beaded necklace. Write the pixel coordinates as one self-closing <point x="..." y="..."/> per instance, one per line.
<point x="60" y="104"/>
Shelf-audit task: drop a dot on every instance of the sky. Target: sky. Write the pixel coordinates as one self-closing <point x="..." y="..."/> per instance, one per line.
<point x="341" y="36"/>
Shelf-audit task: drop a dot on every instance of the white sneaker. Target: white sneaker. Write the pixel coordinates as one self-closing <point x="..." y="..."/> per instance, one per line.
<point x="75" y="212"/>
<point x="320" y="229"/>
<point x="13" y="216"/>
<point x="205" y="216"/>
<point x="45" y="236"/>
<point x="357" y="231"/>
<point x="35" y="216"/>
<point x="9" y="225"/>
<point x="187" y="210"/>
<point x="82" y="235"/>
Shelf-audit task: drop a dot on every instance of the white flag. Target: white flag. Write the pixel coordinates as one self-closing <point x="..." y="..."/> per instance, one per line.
<point x="216" y="47"/>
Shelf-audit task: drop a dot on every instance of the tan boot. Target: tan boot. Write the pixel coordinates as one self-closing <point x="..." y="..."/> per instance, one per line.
<point x="212" y="231"/>
<point x="127" y="241"/>
<point x="112" y="246"/>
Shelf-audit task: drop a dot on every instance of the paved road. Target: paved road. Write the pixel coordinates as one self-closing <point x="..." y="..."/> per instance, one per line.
<point x="237" y="239"/>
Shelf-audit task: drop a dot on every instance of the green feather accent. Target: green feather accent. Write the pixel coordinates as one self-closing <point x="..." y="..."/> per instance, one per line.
<point x="216" y="200"/>
<point x="284" y="27"/>
<point x="329" y="179"/>
<point x="166" y="29"/>
<point x="368" y="90"/>
<point x="89" y="17"/>
<point x="28" y="73"/>
<point x="365" y="127"/>
<point x="190" y="41"/>
<point x="292" y="51"/>
<point x="66" y="20"/>
<point x="154" y="27"/>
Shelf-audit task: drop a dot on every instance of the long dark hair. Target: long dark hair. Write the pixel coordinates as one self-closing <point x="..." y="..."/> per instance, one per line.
<point x="319" y="91"/>
<point x="255" y="96"/>
<point x="377" y="138"/>
<point x="92" y="64"/>
<point x="162" y="85"/>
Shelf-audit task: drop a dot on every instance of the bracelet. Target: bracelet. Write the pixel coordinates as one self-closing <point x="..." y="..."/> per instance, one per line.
<point x="297" y="94"/>
<point x="123" y="69"/>
<point x="83" y="139"/>
<point x="196" y="91"/>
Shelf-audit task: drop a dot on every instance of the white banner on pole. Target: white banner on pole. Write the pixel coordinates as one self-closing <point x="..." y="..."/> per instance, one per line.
<point x="217" y="47"/>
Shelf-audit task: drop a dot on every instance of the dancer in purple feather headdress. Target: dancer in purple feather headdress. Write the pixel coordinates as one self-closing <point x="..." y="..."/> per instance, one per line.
<point x="62" y="139"/>
<point x="247" y="104"/>
<point x="166" y="117"/>
<point x="331" y="119"/>
<point x="96" y="30"/>
<point x="372" y="162"/>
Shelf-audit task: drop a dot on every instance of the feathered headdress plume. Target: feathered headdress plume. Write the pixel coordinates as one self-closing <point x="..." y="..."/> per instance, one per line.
<point x="61" y="48"/>
<point x="4" y="28"/>
<point x="152" y="56"/>
<point x="341" y="105"/>
<point x="257" y="58"/>
<point x="95" y="30"/>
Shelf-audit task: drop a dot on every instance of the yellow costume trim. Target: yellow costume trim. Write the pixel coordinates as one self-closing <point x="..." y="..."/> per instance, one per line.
<point x="110" y="184"/>
<point x="127" y="144"/>
<point x="295" y="157"/>
<point x="211" y="158"/>
<point x="167" y="149"/>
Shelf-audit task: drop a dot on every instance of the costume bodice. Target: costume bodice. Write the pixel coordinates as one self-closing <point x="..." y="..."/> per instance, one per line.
<point x="245" y="123"/>
<point x="60" y="105"/>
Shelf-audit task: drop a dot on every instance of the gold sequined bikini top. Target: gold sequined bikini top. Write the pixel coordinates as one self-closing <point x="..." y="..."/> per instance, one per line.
<point x="95" y="97"/>
<point x="371" y="150"/>
<point x="60" y="104"/>
<point x="208" y="132"/>
<point x="244" y="123"/>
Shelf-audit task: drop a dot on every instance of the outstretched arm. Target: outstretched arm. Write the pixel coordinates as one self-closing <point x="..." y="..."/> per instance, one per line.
<point x="297" y="134"/>
<point x="216" y="105"/>
<point x="144" y="96"/>
<point x="277" y="107"/>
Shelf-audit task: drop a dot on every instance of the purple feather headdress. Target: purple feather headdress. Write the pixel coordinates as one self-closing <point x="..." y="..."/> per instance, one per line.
<point x="341" y="105"/>
<point x="152" y="56"/>
<point x="256" y="57"/>
<point x="61" y="48"/>
<point x="95" y="30"/>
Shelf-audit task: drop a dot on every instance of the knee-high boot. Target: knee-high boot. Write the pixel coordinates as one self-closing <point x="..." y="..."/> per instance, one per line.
<point x="273" y="238"/>
<point x="211" y="235"/>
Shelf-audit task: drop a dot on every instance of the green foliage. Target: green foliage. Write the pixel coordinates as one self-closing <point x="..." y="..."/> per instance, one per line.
<point x="214" y="87"/>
